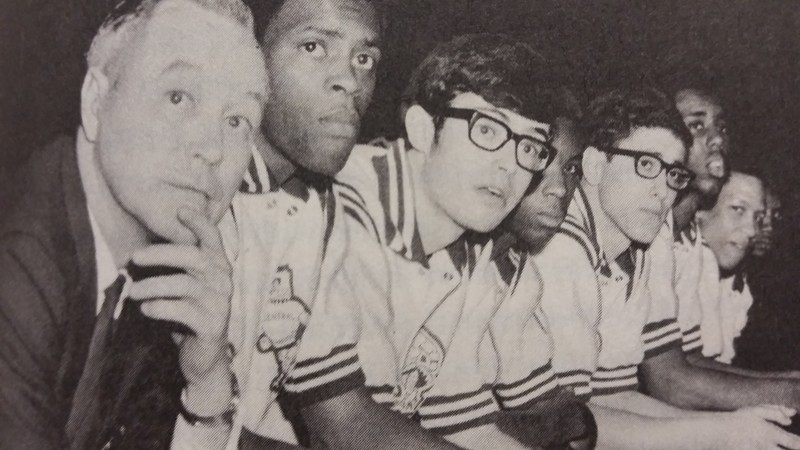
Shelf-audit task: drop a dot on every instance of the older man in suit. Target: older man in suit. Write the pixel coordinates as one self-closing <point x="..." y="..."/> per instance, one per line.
<point x="108" y="248"/>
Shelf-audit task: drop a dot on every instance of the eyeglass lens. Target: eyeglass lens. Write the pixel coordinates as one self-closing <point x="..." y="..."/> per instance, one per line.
<point x="491" y="134"/>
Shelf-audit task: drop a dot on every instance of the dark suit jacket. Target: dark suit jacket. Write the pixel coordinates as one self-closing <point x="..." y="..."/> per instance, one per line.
<point x="47" y="318"/>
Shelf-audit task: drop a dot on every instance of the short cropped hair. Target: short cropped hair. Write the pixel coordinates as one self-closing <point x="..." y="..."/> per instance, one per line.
<point x="266" y="10"/>
<point x="128" y="18"/>
<point x="613" y="116"/>
<point x="707" y="203"/>
<point x="505" y="72"/>
<point x="682" y="75"/>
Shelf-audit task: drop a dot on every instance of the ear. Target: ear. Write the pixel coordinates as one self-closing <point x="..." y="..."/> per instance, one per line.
<point x="93" y="91"/>
<point x="593" y="164"/>
<point x="420" y="128"/>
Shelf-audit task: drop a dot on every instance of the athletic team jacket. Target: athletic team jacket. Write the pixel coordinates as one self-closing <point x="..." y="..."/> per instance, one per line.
<point x="711" y="311"/>
<point x="602" y="315"/>
<point x="48" y="300"/>
<point x="295" y="344"/>
<point x="735" y="301"/>
<point x="689" y="268"/>
<point x="420" y="340"/>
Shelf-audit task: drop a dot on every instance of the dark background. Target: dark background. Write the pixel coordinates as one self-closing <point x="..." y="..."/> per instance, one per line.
<point x="749" y="49"/>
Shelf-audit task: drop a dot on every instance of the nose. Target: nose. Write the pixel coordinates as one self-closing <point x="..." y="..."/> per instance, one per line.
<point x="506" y="157"/>
<point x="659" y="186"/>
<point x="554" y="183"/>
<point x="343" y="77"/>
<point x="716" y="139"/>
<point x="750" y="227"/>
<point x="766" y="223"/>
<point x="206" y="141"/>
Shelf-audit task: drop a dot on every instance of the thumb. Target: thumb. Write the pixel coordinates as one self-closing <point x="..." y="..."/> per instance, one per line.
<point x="773" y="413"/>
<point x="481" y="294"/>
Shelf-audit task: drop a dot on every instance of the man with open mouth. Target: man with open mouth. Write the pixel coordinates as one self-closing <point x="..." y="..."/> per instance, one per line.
<point x="686" y="377"/>
<point x="601" y="293"/>
<point x="478" y="126"/>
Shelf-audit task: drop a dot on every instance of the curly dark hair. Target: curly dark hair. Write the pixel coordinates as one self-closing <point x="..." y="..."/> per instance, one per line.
<point x="507" y="73"/>
<point x="614" y="115"/>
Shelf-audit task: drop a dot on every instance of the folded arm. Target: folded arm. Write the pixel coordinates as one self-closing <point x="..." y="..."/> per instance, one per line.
<point x="672" y="379"/>
<point x="353" y="420"/>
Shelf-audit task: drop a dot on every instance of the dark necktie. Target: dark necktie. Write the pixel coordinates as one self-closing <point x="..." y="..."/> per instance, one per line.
<point x="129" y="393"/>
<point x="87" y="398"/>
<point x="141" y="381"/>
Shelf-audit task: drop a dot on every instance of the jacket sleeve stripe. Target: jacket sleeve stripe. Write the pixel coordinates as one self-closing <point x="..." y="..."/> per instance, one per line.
<point x="538" y="383"/>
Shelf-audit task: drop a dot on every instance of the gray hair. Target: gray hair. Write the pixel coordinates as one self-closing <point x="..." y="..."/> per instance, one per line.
<point x="129" y="17"/>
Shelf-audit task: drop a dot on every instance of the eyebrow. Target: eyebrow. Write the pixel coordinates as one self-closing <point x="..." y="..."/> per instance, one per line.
<point x="183" y="65"/>
<point x="256" y="95"/>
<point x="507" y="119"/>
<point x="656" y="153"/>
<point x="698" y="114"/>
<point x="660" y="156"/>
<point x="369" y="42"/>
<point x="180" y="65"/>
<point x="489" y="109"/>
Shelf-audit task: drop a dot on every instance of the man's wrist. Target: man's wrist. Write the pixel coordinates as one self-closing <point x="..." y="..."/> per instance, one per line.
<point x="213" y="395"/>
<point x="222" y="419"/>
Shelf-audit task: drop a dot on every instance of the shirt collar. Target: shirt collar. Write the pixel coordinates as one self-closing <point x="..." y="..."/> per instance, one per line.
<point x="581" y="216"/>
<point x="107" y="271"/>
<point x="258" y="179"/>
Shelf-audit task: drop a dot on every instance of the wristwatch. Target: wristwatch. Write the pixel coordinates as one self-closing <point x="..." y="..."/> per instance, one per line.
<point x="223" y="419"/>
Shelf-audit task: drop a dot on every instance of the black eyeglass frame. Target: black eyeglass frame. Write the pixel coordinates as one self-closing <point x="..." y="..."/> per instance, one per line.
<point x="665" y="166"/>
<point x="472" y="116"/>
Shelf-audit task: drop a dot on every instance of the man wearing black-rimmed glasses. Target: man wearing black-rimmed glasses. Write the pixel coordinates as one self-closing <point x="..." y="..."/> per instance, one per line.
<point x="600" y="295"/>
<point x="440" y="341"/>
<point x="684" y="377"/>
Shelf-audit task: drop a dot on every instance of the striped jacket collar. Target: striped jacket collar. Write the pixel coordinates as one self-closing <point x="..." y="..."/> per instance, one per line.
<point x="258" y="179"/>
<point x="396" y="195"/>
<point x="401" y="228"/>
<point x="580" y="225"/>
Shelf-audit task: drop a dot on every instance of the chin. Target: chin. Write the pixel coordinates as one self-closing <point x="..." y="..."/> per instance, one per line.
<point x="480" y="223"/>
<point x="729" y="262"/>
<point x="326" y="167"/>
<point x="537" y="239"/>
<point x="709" y="186"/>
<point x="330" y="157"/>
<point x="728" y="266"/>
<point x="645" y="237"/>
<point x="483" y="228"/>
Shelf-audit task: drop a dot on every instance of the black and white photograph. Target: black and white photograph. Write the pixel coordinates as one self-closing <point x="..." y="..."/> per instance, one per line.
<point x="399" y="224"/>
